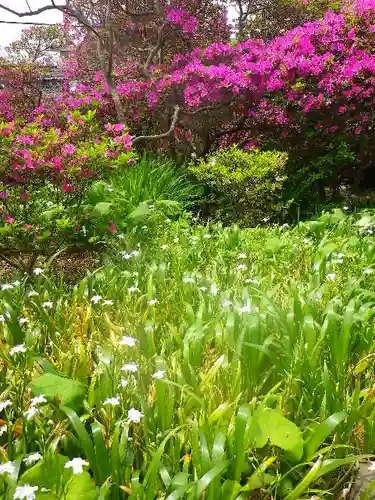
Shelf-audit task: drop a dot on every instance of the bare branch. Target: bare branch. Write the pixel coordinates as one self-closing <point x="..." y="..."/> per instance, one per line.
<point x="143" y="138"/>
<point x="62" y="8"/>
<point x="154" y="51"/>
<point x="27" y="23"/>
<point x="136" y="15"/>
<point x="206" y="108"/>
<point x="28" y="5"/>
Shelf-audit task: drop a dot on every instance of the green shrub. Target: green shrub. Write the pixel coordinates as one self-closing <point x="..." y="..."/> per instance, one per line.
<point x="247" y="185"/>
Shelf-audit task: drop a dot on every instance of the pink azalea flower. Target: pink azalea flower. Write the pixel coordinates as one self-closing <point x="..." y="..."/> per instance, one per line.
<point x="8" y="219"/>
<point x="28" y="227"/>
<point x="57" y="162"/>
<point x="127" y="141"/>
<point x="66" y="188"/>
<point x="112" y="228"/>
<point x="25" y="139"/>
<point x="4" y="194"/>
<point x="69" y="149"/>
<point x="24" y="196"/>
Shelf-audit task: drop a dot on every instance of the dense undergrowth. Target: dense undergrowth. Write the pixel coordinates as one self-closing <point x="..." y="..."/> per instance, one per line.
<point x="198" y="361"/>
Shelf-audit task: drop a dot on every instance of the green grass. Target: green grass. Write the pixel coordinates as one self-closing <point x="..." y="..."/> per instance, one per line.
<point x="262" y="345"/>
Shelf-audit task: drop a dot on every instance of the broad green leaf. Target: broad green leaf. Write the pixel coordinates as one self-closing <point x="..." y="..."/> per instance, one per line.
<point x="61" y="390"/>
<point x="102" y="208"/>
<point x="280" y="431"/>
<point x="141" y="212"/>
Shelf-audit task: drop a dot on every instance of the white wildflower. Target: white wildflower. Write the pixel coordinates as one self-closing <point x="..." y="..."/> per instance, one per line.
<point x="49" y="204"/>
<point x="135" y="253"/>
<point x="188" y="279"/>
<point x="38" y="271"/>
<point x="134" y="415"/>
<point x="130" y="341"/>
<point x="133" y="289"/>
<point x="152" y="302"/>
<point x="33" y="458"/>
<point x="130" y="367"/>
<point x="47" y="305"/>
<point x="8" y="468"/>
<point x="176" y="240"/>
<point x="241" y="267"/>
<point x="213" y="289"/>
<point x="159" y="374"/>
<point x="7" y="286"/>
<point x="331" y="276"/>
<point x="3" y="429"/>
<point x="245" y="309"/>
<point x="368" y="270"/>
<point x="125" y="255"/>
<point x="31" y="412"/>
<point x="345" y="208"/>
<point x="226" y="303"/>
<point x="370" y="231"/>
<point x="112" y="401"/>
<point x="76" y="464"/>
<point x="242" y="256"/>
<point x="23" y="321"/>
<point x="168" y="220"/>
<point x="107" y="302"/>
<point x="33" y="293"/>
<point x="121" y="236"/>
<point x="38" y="400"/>
<point x="206" y="236"/>
<point x="164" y="247"/>
<point x="123" y="383"/>
<point x="203" y="288"/>
<point x="17" y="349"/>
<point x="2" y="319"/>
<point x="5" y="404"/>
<point x="96" y="298"/>
<point x="16" y="283"/>
<point x="106" y="360"/>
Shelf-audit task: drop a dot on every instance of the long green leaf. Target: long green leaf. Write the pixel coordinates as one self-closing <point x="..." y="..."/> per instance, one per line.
<point x="84" y="439"/>
<point x="320" y="434"/>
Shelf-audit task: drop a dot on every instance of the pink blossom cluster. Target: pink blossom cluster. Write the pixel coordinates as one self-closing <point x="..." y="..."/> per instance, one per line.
<point x="182" y="18"/>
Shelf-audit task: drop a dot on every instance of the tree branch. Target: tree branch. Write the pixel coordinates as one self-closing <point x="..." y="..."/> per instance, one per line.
<point x="30" y="13"/>
<point x="143" y="138"/>
<point x="154" y="51"/>
<point x="62" y="8"/>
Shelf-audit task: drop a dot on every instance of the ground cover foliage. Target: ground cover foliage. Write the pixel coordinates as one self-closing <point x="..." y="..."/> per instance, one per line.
<point x="198" y="361"/>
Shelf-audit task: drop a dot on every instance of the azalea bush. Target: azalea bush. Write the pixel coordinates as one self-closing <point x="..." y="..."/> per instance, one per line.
<point x="307" y="92"/>
<point x="45" y="172"/>
<point x="210" y="362"/>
